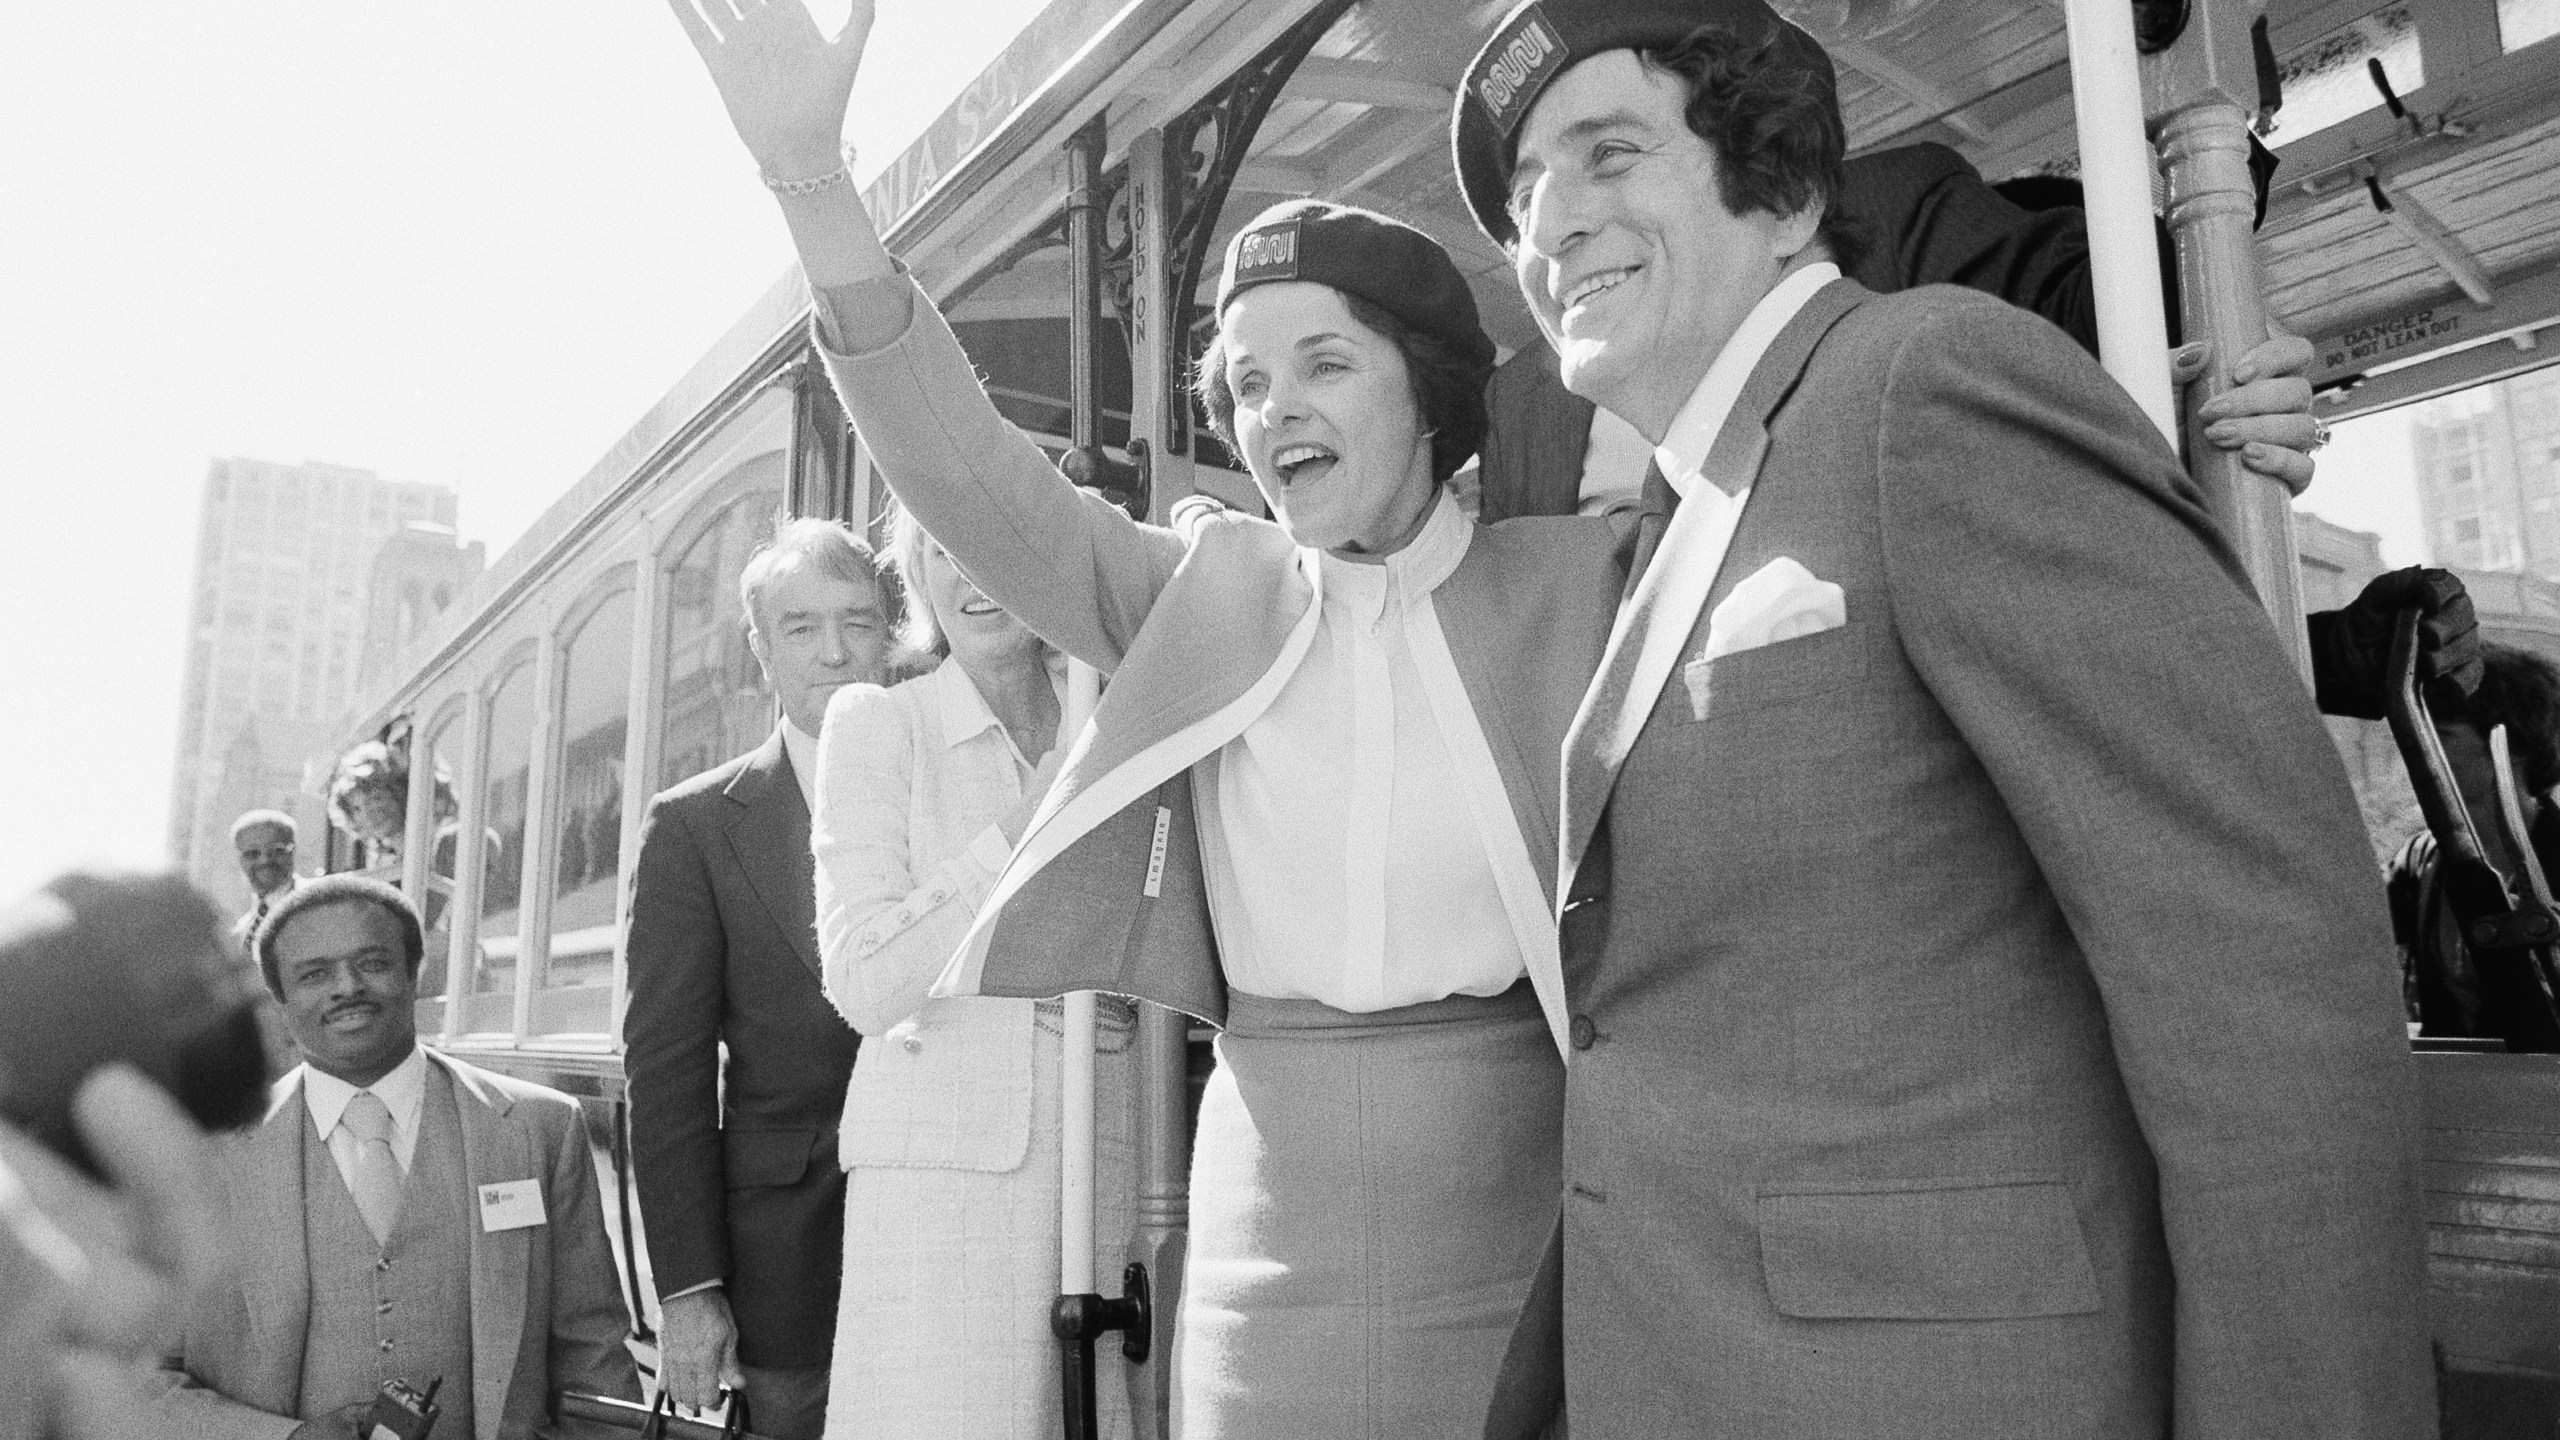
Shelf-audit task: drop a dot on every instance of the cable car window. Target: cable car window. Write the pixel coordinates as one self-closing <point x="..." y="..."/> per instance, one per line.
<point x="2469" y="481"/>
<point x="2523" y="22"/>
<point x="489" y="1003"/>
<point x="577" y="980"/>
<point x="2329" y="80"/>
<point x="716" y="706"/>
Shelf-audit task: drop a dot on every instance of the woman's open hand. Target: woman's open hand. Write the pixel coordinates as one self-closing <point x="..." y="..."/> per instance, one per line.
<point x="785" y="85"/>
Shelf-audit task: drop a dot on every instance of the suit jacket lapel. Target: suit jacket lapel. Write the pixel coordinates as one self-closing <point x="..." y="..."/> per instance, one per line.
<point x="1671" y="584"/>
<point x="494" y="1149"/>
<point x="770" y="838"/>
<point x="263" y="1168"/>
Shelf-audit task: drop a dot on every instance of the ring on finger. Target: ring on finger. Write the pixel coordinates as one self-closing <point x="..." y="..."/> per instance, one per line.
<point x="2319" y="434"/>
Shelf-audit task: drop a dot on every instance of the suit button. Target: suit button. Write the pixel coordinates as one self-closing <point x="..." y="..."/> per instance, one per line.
<point x="386" y="1347"/>
<point x="914" y="1044"/>
<point x="1585" y="1034"/>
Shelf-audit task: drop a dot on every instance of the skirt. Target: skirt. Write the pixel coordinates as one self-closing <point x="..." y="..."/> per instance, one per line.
<point x="942" y="1328"/>
<point x="1370" y="1196"/>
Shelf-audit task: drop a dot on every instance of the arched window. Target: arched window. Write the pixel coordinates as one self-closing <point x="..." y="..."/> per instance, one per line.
<point x="504" y="806"/>
<point x="587" y="850"/>
<point x="716" y="706"/>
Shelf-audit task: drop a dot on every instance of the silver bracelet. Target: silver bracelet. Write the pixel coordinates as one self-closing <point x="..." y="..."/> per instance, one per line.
<point x="841" y="175"/>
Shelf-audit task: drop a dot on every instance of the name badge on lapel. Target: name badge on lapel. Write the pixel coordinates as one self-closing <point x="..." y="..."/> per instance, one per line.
<point x="510" y="1205"/>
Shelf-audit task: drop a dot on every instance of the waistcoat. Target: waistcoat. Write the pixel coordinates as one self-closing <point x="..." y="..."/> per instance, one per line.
<point x="401" y="1309"/>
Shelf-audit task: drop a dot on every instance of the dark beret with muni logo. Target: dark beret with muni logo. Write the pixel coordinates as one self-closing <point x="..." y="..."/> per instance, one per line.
<point x="1544" y="38"/>
<point x="1359" y="252"/>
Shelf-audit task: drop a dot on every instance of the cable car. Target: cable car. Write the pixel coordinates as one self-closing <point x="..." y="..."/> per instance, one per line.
<point x="1065" y="209"/>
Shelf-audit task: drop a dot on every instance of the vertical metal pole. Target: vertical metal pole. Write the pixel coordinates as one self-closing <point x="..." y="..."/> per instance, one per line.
<point x="2203" y="86"/>
<point x="1084" y="278"/>
<point x="2115" y="175"/>
<point x="1156" y="365"/>
<point x="470" y="859"/>
<point x="1084" y="688"/>
<point x="418" y="826"/>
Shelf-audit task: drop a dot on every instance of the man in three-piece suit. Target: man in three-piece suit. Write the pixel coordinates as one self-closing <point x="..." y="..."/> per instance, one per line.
<point x="1983" y="1015"/>
<point x="398" y="1214"/>
<point x="740" y="1193"/>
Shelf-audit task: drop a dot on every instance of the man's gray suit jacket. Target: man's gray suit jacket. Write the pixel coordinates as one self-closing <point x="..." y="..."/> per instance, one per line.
<point x="1986" y="1015"/>
<point x="546" y="1312"/>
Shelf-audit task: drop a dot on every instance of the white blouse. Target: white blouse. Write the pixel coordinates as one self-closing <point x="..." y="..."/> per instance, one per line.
<point x="1346" y="830"/>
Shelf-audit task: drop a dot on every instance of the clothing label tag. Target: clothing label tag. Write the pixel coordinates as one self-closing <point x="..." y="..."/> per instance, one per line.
<point x="510" y="1205"/>
<point x="1155" y="853"/>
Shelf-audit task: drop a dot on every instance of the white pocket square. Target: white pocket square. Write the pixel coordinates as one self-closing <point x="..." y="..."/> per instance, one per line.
<point x="1780" y="601"/>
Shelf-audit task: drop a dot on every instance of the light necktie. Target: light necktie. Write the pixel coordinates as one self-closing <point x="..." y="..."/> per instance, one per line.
<point x="376" y="1182"/>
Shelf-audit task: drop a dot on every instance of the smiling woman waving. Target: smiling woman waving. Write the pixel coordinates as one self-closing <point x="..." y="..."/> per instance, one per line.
<point x="1338" y="732"/>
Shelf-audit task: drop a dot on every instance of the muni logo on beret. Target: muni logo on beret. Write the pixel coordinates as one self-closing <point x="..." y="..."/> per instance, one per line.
<point x="1516" y="66"/>
<point x="1270" y="253"/>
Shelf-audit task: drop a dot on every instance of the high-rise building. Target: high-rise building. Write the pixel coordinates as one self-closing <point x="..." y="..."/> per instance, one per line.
<point x="284" y="556"/>
<point x="2488" y="465"/>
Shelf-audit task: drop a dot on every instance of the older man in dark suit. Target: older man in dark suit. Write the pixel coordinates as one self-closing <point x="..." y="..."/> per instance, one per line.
<point x="740" y="1193"/>
<point x="1984" y="1020"/>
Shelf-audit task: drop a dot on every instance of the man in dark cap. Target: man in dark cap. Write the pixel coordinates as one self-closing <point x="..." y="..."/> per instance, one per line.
<point x="1984" y="1019"/>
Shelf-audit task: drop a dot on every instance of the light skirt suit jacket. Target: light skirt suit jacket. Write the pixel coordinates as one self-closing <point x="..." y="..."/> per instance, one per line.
<point x="1197" y="627"/>
<point x="546" y="1312"/>
<point x="950" y="1138"/>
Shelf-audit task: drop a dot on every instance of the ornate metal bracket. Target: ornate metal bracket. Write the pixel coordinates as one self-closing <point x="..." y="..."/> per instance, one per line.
<point x="1206" y="145"/>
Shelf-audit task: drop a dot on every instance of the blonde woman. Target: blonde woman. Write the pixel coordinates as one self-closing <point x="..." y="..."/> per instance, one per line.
<point x="950" y="1134"/>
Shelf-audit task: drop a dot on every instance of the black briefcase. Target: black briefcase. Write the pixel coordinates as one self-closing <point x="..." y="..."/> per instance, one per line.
<point x="659" y="1421"/>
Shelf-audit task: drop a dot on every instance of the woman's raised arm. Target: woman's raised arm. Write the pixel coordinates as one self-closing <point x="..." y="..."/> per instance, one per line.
<point x="1081" y="574"/>
<point x="785" y="86"/>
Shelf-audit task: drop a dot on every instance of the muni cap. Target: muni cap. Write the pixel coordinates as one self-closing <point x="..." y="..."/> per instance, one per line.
<point x="1359" y="252"/>
<point x="1542" y="39"/>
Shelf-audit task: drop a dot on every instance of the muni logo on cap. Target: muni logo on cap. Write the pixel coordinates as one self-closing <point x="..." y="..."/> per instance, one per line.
<point x="1516" y="66"/>
<point x="1270" y="253"/>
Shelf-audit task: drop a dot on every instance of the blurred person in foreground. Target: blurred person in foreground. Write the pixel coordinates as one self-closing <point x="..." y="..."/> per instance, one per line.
<point x="740" y="1192"/>
<point x="397" y="1214"/>
<point x="1984" y="1022"/>
<point x="90" y="1272"/>
<point x="124" y="1029"/>
<point x="951" y="1143"/>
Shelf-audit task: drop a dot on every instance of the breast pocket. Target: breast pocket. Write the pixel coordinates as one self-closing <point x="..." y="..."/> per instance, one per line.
<point x="1790" y="672"/>
<point x="1992" y="1247"/>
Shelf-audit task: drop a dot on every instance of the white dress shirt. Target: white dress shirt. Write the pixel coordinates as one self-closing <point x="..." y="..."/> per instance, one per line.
<point x="801" y="749"/>
<point x="1692" y="435"/>
<point x="1694" y="543"/>
<point x="1615" y="454"/>
<point x="403" y="1092"/>
<point x="1346" y="861"/>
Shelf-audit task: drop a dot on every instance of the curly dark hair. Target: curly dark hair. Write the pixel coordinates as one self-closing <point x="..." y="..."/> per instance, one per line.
<point x="1448" y="388"/>
<point x="1774" y="126"/>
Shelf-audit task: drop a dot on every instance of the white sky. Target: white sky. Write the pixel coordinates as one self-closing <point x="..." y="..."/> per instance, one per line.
<point x="452" y="240"/>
